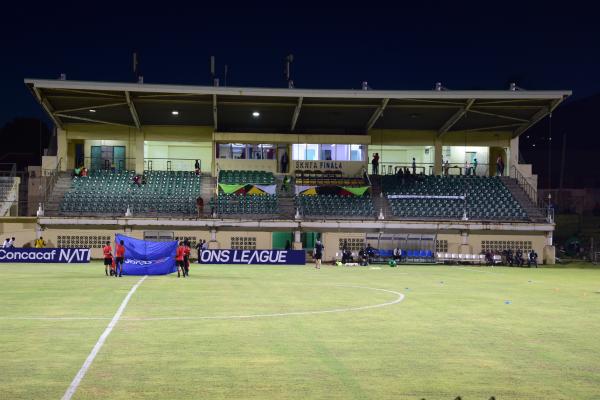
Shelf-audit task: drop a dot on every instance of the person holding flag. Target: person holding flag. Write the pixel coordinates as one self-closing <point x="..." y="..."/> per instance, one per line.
<point x="107" y="251"/>
<point x="120" y="253"/>
<point x="179" y="260"/>
<point x="187" y="250"/>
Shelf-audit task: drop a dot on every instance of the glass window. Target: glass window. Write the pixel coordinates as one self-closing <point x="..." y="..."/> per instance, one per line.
<point x="334" y="152"/>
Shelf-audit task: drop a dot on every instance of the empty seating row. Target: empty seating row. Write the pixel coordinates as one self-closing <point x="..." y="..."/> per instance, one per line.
<point x="334" y="205"/>
<point x="247" y="204"/>
<point x="243" y="177"/>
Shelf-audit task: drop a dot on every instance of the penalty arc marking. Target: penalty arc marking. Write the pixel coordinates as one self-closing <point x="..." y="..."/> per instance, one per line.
<point x="398" y="299"/>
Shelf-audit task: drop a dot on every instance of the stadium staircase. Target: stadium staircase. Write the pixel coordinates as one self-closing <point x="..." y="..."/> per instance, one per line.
<point x="207" y="191"/>
<point x="62" y="186"/>
<point x="287" y="208"/>
<point x="380" y="203"/>
<point x="532" y="210"/>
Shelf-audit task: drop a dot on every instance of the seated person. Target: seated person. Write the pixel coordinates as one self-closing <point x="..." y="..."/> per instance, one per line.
<point x="398" y="254"/>
<point x="533" y="256"/>
<point x="362" y="257"/>
<point x="519" y="258"/>
<point x="509" y="257"/>
<point x="370" y="252"/>
<point x="137" y="180"/>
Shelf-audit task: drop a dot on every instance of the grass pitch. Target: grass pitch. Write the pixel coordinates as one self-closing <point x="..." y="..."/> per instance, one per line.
<point x="469" y="331"/>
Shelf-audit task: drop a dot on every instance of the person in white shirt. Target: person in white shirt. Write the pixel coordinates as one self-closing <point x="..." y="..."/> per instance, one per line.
<point x="6" y="244"/>
<point x="11" y="244"/>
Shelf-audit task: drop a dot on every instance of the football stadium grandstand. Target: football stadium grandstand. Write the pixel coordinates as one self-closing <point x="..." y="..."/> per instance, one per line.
<point x="260" y="167"/>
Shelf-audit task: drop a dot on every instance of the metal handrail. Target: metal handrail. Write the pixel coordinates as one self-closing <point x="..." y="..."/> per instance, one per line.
<point x="10" y="172"/>
<point x="51" y="177"/>
<point x="527" y="187"/>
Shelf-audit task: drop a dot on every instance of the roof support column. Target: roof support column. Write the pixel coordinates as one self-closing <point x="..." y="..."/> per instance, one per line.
<point x="62" y="148"/>
<point x="438" y="156"/>
<point x="139" y="151"/>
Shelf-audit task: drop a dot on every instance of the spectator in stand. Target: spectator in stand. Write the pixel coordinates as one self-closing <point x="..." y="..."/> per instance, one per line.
<point x="197" y="167"/>
<point x="406" y="172"/>
<point x="375" y="164"/>
<point x="200" y="206"/>
<point x="284" y="162"/>
<point x="11" y="244"/>
<point x="446" y="167"/>
<point x="39" y="243"/>
<point x="77" y="171"/>
<point x="137" y="180"/>
<point x="399" y="175"/>
<point x="84" y="172"/>
<point x="414" y="166"/>
<point x="474" y="166"/>
<point x="6" y="243"/>
<point x="499" y="166"/>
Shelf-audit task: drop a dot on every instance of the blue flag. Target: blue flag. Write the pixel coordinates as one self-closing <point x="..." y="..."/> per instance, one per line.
<point x="143" y="257"/>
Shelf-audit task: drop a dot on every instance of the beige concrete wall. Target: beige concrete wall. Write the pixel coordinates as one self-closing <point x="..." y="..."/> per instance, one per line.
<point x="23" y="229"/>
<point x="256" y="165"/>
<point x="264" y="240"/>
<point x="331" y="242"/>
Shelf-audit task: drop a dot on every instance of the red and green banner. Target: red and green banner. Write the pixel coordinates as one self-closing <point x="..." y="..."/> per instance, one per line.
<point x="247" y="189"/>
<point x="331" y="189"/>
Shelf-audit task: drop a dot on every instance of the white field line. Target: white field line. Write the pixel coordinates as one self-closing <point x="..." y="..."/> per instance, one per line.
<point x="398" y="299"/>
<point x="475" y="270"/>
<point x="90" y="358"/>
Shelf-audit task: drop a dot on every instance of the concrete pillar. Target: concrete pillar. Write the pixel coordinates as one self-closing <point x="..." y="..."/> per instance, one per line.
<point x="297" y="245"/>
<point x="139" y="151"/>
<point x="465" y="247"/>
<point x="212" y="243"/>
<point x="62" y="149"/>
<point x="438" y="156"/>
<point x="549" y="255"/>
<point x="513" y="156"/>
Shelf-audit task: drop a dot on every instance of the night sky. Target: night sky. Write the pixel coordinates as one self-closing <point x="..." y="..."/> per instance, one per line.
<point x="406" y="46"/>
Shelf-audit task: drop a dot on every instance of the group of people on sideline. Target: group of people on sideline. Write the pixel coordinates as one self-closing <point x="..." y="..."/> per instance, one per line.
<point x="510" y="258"/>
<point x="470" y="168"/>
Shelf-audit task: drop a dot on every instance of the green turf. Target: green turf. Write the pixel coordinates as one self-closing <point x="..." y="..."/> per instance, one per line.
<point x="452" y="335"/>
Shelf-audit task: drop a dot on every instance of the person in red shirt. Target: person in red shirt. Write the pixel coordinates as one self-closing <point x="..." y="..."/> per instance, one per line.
<point x="186" y="257"/>
<point x="120" y="253"/>
<point x="179" y="260"/>
<point x="107" y="251"/>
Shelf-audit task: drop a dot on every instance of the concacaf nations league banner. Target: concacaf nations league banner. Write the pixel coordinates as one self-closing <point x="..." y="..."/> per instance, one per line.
<point x="260" y="257"/>
<point x="33" y="255"/>
<point x="143" y="257"/>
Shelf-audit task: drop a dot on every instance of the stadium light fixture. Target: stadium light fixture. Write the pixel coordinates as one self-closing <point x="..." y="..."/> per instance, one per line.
<point x="175" y="112"/>
<point x="92" y="110"/>
<point x="255" y="114"/>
